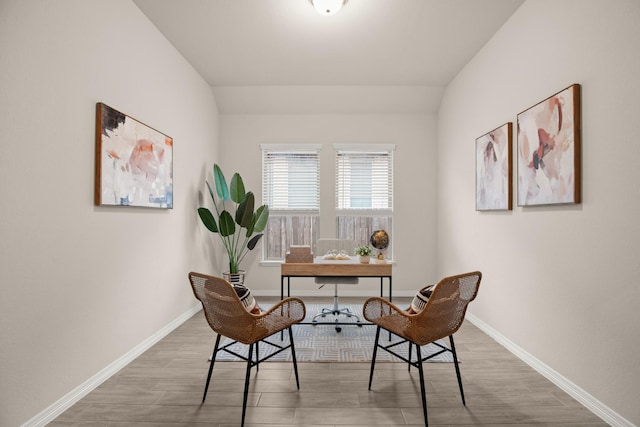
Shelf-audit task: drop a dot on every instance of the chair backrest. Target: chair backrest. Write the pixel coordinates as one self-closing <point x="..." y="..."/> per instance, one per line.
<point x="222" y="307"/>
<point x="445" y="310"/>
<point x="325" y="245"/>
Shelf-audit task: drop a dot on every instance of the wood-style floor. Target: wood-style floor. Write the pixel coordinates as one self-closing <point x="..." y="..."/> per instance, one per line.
<point x="164" y="386"/>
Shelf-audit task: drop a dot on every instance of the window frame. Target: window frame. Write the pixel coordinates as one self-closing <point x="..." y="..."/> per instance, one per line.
<point x="366" y="213"/>
<point x="287" y="214"/>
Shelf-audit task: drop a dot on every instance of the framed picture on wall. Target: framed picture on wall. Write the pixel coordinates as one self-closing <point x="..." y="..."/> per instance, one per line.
<point x="134" y="162"/>
<point x="493" y="169"/>
<point x="549" y="150"/>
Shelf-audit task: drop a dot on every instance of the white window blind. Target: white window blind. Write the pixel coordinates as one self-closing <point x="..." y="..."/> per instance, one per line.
<point x="291" y="180"/>
<point x="291" y="188"/>
<point x="364" y="178"/>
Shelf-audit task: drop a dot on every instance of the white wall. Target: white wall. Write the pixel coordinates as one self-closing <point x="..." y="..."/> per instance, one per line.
<point x="414" y="184"/>
<point x="83" y="285"/>
<point x="560" y="282"/>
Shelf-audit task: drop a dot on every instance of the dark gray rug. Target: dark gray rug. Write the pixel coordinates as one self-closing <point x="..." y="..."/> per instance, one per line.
<point x="322" y="343"/>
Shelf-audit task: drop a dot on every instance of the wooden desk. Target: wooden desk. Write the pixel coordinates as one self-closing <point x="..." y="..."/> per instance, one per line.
<point x="331" y="268"/>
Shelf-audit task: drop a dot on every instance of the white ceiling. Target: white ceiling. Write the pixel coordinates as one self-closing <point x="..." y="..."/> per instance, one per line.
<point x="400" y="52"/>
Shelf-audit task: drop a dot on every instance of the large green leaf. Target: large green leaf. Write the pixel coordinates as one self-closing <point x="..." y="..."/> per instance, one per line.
<point x="254" y="241"/>
<point x="221" y="183"/>
<point x="261" y="218"/>
<point x="227" y="226"/>
<point x="253" y="224"/>
<point x="208" y="220"/>
<point x="237" y="188"/>
<point x="244" y="214"/>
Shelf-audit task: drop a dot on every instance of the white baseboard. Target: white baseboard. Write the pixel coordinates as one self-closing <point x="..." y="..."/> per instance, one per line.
<point x="588" y="401"/>
<point x="64" y="403"/>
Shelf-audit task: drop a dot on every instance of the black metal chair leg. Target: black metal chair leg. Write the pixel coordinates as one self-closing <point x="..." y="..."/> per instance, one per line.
<point x="246" y="384"/>
<point x="455" y="361"/>
<point x="410" y="348"/>
<point x="213" y="360"/>
<point x="293" y="355"/>
<point x="373" y="359"/>
<point x="422" y="390"/>
<point x="257" y="357"/>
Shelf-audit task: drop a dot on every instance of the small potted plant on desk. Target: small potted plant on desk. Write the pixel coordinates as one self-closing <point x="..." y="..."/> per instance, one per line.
<point x="238" y="240"/>
<point x="364" y="252"/>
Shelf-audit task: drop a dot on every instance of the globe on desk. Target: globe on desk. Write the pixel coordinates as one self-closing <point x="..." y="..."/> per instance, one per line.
<point x="380" y="240"/>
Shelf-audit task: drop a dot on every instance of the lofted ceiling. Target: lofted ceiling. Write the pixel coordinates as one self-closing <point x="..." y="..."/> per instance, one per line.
<point x="280" y="56"/>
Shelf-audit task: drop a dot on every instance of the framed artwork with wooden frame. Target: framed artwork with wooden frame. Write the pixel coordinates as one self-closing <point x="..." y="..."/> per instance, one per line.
<point x="549" y="167"/>
<point x="134" y="162"/>
<point x="493" y="169"/>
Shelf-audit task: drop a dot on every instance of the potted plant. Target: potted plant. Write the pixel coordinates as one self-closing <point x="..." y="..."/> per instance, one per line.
<point x="239" y="229"/>
<point x="364" y="252"/>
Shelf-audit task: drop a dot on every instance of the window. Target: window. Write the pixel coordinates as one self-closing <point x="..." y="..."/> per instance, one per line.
<point x="291" y="188"/>
<point x="364" y="191"/>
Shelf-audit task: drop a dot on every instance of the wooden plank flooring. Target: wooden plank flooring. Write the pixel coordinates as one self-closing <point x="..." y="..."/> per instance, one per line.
<point x="164" y="386"/>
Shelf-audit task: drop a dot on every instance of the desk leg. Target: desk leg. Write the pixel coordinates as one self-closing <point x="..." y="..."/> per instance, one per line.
<point x="390" y="296"/>
<point x="382" y="288"/>
<point x="282" y="287"/>
<point x="281" y="298"/>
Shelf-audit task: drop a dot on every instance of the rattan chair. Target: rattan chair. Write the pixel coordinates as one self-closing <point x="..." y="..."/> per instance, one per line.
<point x="440" y="318"/>
<point x="227" y="317"/>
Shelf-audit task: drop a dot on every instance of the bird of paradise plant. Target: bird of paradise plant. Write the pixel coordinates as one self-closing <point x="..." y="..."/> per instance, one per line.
<point x="238" y="240"/>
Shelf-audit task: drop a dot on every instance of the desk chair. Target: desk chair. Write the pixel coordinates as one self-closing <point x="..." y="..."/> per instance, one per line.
<point x="323" y="246"/>
<point x="441" y="317"/>
<point x="227" y="316"/>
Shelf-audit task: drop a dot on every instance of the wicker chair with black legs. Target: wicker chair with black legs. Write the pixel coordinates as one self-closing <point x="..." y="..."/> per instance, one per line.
<point x="228" y="317"/>
<point x="441" y="317"/>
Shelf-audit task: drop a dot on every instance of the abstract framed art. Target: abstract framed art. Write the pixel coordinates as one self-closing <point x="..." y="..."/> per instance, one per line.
<point x="493" y="169"/>
<point x="549" y="167"/>
<point x="134" y="162"/>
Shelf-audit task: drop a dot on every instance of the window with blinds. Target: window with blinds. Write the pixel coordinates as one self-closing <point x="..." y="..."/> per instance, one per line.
<point x="364" y="191"/>
<point x="291" y="188"/>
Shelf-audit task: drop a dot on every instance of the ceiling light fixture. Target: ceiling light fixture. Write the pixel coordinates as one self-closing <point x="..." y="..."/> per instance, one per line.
<point x="328" y="7"/>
